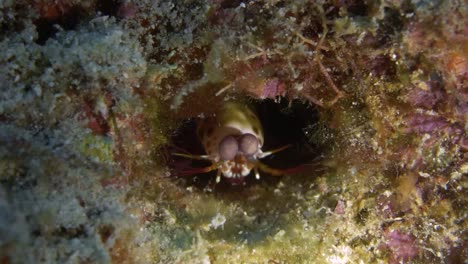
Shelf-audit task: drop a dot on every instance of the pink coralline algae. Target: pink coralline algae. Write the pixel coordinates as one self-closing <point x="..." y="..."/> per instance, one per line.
<point x="402" y="246"/>
<point x="422" y="123"/>
<point x="272" y="89"/>
<point x="127" y="11"/>
<point x="340" y="207"/>
<point x="425" y="99"/>
<point x="425" y="123"/>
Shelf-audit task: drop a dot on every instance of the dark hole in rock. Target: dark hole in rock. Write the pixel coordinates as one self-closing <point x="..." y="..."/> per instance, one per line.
<point x="362" y="216"/>
<point x="69" y="20"/>
<point x="230" y="3"/>
<point x="106" y="231"/>
<point x="108" y="7"/>
<point x="356" y="7"/>
<point x="283" y="124"/>
<point x="70" y="232"/>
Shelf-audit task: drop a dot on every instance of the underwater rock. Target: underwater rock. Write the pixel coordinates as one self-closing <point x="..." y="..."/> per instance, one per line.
<point x="402" y="246"/>
<point x="97" y="97"/>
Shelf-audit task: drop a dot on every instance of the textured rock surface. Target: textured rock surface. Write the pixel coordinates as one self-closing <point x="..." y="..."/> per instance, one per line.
<point x="95" y="96"/>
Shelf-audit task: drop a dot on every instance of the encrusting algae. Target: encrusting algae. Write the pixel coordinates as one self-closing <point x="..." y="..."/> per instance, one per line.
<point x="98" y="97"/>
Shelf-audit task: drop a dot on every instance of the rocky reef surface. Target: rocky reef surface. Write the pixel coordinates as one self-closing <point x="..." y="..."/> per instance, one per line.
<point x="96" y="96"/>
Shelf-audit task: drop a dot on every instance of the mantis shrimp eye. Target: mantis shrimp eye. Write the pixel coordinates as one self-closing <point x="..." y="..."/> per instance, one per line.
<point x="228" y="148"/>
<point x="248" y="144"/>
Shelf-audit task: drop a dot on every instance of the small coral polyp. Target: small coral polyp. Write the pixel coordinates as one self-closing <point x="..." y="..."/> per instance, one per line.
<point x="232" y="139"/>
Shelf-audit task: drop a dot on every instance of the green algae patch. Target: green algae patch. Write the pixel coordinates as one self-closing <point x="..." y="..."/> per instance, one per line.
<point x="100" y="149"/>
